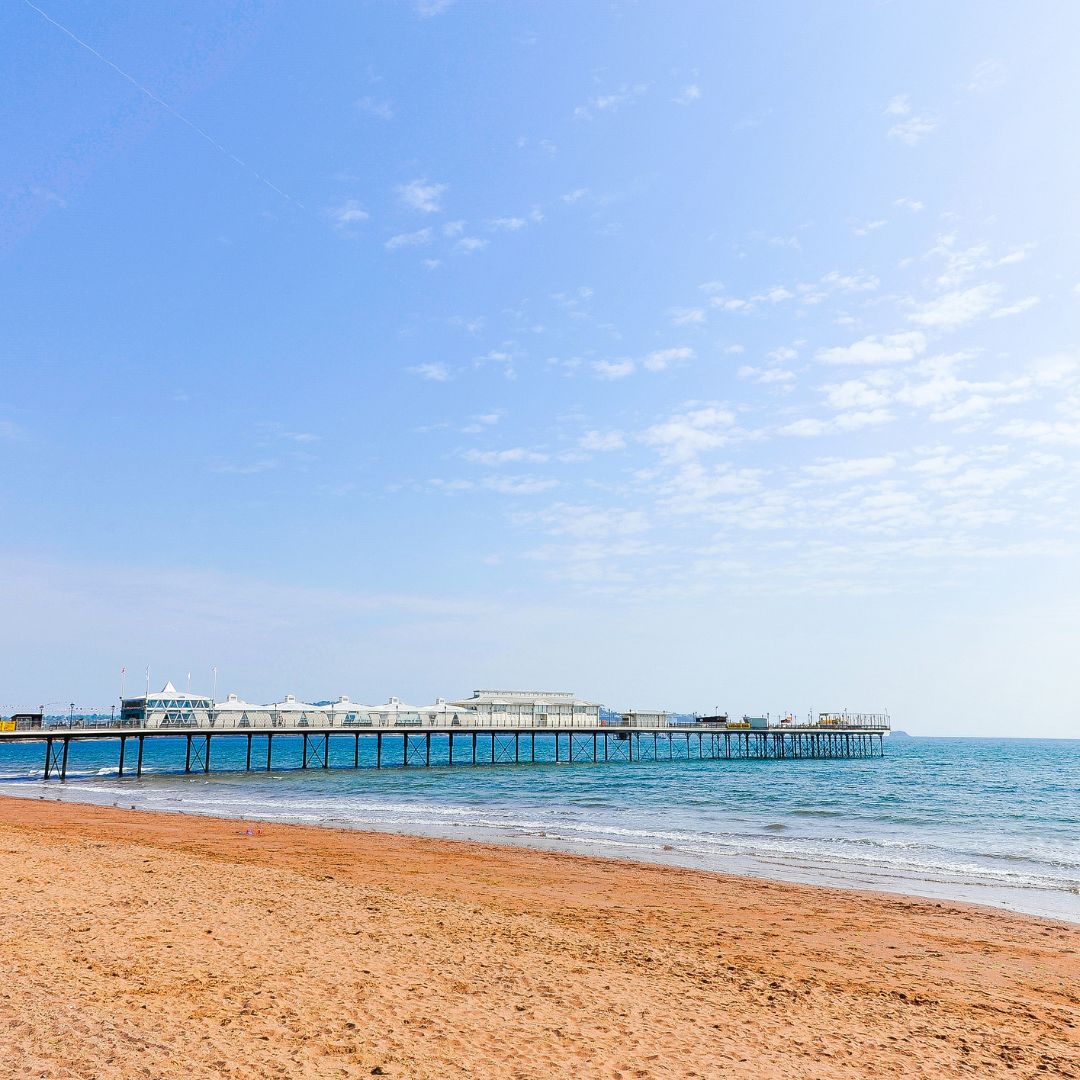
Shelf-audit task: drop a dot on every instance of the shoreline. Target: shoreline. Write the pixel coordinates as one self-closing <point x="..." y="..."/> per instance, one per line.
<point x="219" y="946"/>
<point x="822" y="874"/>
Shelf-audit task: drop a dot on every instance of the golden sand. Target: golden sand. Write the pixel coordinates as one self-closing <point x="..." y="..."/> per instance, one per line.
<point x="155" y="945"/>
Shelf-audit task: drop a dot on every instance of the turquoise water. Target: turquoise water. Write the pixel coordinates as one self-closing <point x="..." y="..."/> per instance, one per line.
<point x="991" y="821"/>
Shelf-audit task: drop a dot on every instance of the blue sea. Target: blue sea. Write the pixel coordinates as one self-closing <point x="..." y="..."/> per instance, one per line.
<point x="990" y="821"/>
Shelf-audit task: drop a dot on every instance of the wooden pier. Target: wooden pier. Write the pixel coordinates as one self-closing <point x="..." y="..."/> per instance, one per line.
<point x="408" y="746"/>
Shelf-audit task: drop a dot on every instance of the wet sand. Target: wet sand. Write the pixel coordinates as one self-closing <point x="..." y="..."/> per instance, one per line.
<point x="135" y="944"/>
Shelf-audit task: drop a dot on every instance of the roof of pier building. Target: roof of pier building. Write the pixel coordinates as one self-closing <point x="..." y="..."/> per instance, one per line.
<point x="522" y="697"/>
<point x="169" y="694"/>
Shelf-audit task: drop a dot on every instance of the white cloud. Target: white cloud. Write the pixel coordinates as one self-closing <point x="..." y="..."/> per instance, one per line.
<point x="467" y="245"/>
<point x="888" y="349"/>
<point x="602" y="441"/>
<point x="662" y="358"/>
<point x="1054" y="369"/>
<point x="732" y="303"/>
<point x="519" y="485"/>
<point x="855" y="394"/>
<point x="509" y="224"/>
<point x="9" y="430"/>
<point x="382" y="110"/>
<point x="975" y="406"/>
<point x="576" y="195"/>
<point x="782" y="354"/>
<point x="685" y="435"/>
<point x="988" y="75"/>
<point x="913" y="130"/>
<point x="436" y="372"/>
<point x="687" y="316"/>
<point x="864" y="228"/>
<point x="688" y="95"/>
<point x="427" y="8"/>
<point x="404" y="240"/>
<point x="957" y="308"/>
<point x="613" y="369"/>
<point x="453" y="228"/>
<point x="914" y="205"/>
<point x="516" y="454"/>
<point x="765" y="375"/>
<point x="776" y="294"/>
<point x="900" y="105"/>
<point x="611" y="101"/>
<point x="842" y="422"/>
<point x="1051" y="432"/>
<point x="349" y="213"/>
<point x="844" y="470"/>
<point x="422" y="195"/>
<point x="1015" y="309"/>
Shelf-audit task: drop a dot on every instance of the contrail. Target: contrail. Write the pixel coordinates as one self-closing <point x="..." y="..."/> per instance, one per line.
<point x="165" y="105"/>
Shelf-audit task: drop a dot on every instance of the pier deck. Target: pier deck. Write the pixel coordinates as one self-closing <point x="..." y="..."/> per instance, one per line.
<point x="404" y="745"/>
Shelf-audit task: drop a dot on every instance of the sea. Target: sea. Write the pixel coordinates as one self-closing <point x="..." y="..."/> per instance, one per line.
<point x="990" y="821"/>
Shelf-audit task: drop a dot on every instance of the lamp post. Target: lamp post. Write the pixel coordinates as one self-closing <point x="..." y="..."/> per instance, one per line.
<point x="71" y="715"/>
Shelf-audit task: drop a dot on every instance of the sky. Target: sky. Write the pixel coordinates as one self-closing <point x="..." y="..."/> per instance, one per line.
<point x="681" y="355"/>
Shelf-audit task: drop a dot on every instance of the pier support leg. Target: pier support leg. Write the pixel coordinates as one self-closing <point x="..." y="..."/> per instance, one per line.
<point x="556" y="747"/>
<point x="532" y="750"/>
<point x="378" y="750"/>
<point x="450" y="746"/>
<point x="304" y="763"/>
<point x="605" y="746"/>
<point x="206" y="756"/>
<point x="63" y="763"/>
<point x="474" y="747"/>
<point x="356" y="753"/>
<point x="517" y="747"/>
<point x="594" y="747"/>
<point x="405" y="750"/>
<point x="123" y="747"/>
<point x="138" y="763"/>
<point x="269" y="749"/>
<point x="493" y="748"/>
<point x="48" y="756"/>
<point x="247" y="766"/>
<point x="326" y="750"/>
<point x="427" y="751"/>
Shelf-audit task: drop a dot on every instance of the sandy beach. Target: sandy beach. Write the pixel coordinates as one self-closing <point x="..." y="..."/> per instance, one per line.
<point x="135" y="944"/>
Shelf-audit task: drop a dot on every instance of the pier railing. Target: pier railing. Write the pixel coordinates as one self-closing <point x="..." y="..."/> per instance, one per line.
<point x="321" y="722"/>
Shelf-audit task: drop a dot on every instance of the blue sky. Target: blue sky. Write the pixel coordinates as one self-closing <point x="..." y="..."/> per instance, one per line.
<point x="679" y="355"/>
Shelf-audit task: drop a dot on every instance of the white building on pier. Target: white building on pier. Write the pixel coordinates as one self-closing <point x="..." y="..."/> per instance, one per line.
<point x="531" y="708"/>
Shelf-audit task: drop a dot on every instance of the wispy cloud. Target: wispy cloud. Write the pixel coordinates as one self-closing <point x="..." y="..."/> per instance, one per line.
<point x="956" y="308"/>
<point x="515" y="455"/>
<point x="349" y="213"/>
<point x="613" y="369"/>
<point x="602" y="441"/>
<point x="611" y="101"/>
<point x="380" y="109"/>
<point x="429" y="8"/>
<point x="1015" y="309"/>
<point x="422" y="195"/>
<point x="688" y="95"/>
<point x="887" y="349"/>
<point x="436" y="371"/>
<point x="407" y="240"/>
<point x="664" y="358"/>
<point x="913" y="130"/>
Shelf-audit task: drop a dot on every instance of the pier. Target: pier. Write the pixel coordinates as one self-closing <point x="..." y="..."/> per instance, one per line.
<point x="441" y="744"/>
